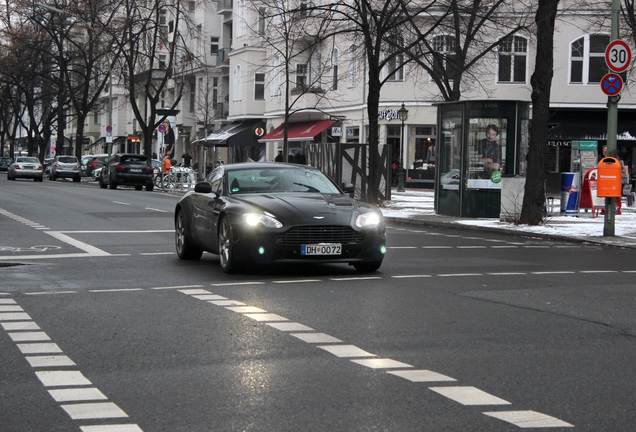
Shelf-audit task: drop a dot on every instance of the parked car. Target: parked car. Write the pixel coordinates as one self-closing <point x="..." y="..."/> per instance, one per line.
<point x="4" y="163"/>
<point x="261" y="213"/>
<point x="83" y="161"/>
<point x="65" y="167"/>
<point x="25" y="167"/>
<point x="94" y="163"/>
<point x="125" y="169"/>
<point x="46" y="165"/>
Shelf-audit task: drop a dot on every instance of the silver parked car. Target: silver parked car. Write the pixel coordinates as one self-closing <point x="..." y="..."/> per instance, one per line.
<point x="25" y="167"/>
<point x="65" y="167"/>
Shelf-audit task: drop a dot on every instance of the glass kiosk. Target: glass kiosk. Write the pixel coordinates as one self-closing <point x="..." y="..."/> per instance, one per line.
<point x="479" y="143"/>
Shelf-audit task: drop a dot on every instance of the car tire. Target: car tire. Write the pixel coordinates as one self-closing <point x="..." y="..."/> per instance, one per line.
<point x="367" y="267"/>
<point x="183" y="244"/>
<point x="112" y="186"/>
<point x="77" y="179"/>
<point x="139" y="187"/>
<point x="150" y="187"/>
<point x="226" y="247"/>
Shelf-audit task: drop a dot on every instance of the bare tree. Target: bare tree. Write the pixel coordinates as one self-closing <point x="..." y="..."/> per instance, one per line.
<point x="534" y="195"/>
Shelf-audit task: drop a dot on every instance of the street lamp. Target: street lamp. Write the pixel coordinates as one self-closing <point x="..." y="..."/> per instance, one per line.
<point x="403" y="115"/>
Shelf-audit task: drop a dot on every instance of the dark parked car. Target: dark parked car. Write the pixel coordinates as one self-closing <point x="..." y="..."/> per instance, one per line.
<point x="94" y="163"/>
<point x="125" y="169"/>
<point x="261" y="213"/>
<point x="65" y="167"/>
<point x="4" y="163"/>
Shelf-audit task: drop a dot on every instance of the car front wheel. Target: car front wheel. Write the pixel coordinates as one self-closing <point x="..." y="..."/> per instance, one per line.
<point x="367" y="267"/>
<point x="185" y="249"/>
<point x="226" y="247"/>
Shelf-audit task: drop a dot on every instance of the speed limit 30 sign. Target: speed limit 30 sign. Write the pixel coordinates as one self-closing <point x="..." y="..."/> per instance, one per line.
<point x="618" y="56"/>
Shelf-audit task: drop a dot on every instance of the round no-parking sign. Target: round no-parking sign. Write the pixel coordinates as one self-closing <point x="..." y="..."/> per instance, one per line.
<point x="611" y="84"/>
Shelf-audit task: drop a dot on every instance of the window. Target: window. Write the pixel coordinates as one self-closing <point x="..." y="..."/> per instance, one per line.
<point x="259" y="86"/>
<point x="214" y="45"/>
<point x="277" y="77"/>
<point x="587" y="59"/>
<point x="241" y="17"/>
<point x="395" y="60"/>
<point x="261" y="20"/>
<point x="163" y="17"/>
<point x="444" y="57"/>
<point x="353" y="78"/>
<point x="513" y="52"/>
<point x="334" y="69"/>
<point x="192" y="6"/>
<point x="353" y="134"/>
<point x="301" y="76"/>
<point x="162" y="61"/>
<point x="237" y="88"/>
<point x="192" y="95"/>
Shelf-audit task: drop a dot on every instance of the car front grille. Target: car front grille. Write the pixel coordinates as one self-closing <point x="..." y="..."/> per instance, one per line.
<point x="319" y="234"/>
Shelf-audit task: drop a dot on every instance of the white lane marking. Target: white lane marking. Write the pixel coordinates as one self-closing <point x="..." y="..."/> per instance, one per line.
<point x="295" y="281"/>
<point x="266" y="317"/>
<point x="437" y="247"/>
<point x="121" y="203"/>
<point x="316" y="338"/>
<point x="77" y="394"/>
<point x="194" y="291"/>
<point x="97" y="410"/>
<point x="528" y="419"/>
<point x="421" y="375"/>
<point x="112" y="428"/>
<point x="50" y="361"/>
<point x="467" y="395"/>
<point x="552" y="272"/>
<point x="51" y="292"/>
<point x="29" y="336"/>
<point x="598" y="271"/>
<point x="356" y="278"/>
<point x="472" y="247"/>
<point x="237" y="283"/>
<point x="62" y="378"/>
<point x="14" y="308"/>
<point x="156" y="253"/>
<point x="402" y="247"/>
<point x="245" y="309"/>
<point x="226" y="303"/>
<point x="14" y="316"/>
<point x="504" y="247"/>
<point x="158" y="210"/>
<point x="459" y="274"/>
<point x="209" y="297"/>
<point x="411" y="276"/>
<point x="507" y="274"/>
<point x="7" y="301"/>
<point x="20" y="325"/>
<point x="91" y="250"/>
<point x="346" y="351"/>
<point x="39" y="348"/>
<point x="115" y="290"/>
<point x="382" y="363"/>
<point x="176" y="287"/>
<point x="289" y="326"/>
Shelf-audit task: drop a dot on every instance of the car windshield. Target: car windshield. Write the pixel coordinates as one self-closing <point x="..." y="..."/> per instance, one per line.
<point x="134" y="159"/>
<point x="67" y="159"/>
<point x="28" y="160"/>
<point x="287" y="179"/>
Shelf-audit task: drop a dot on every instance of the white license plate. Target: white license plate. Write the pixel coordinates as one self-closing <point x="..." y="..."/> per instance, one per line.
<point x="321" y="249"/>
<point x="135" y="170"/>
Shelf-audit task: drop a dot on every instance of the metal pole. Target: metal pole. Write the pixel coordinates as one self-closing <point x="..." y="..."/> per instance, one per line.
<point x="612" y="131"/>
<point x="400" y="162"/>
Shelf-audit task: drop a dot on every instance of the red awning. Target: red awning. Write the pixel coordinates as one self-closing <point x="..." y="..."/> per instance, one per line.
<point x="301" y="131"/>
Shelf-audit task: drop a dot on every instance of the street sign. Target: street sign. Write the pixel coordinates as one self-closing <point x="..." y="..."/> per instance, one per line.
<point x="611" y="84"/>
<point x="109" y="128"/>
<point x="618" y="56"/>
<point x="161" y="128"/>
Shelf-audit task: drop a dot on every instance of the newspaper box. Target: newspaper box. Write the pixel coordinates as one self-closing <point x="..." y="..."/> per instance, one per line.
<point x="610" y="174"/>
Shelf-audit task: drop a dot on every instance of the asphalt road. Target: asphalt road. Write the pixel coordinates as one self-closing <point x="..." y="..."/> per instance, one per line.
<point x="103" y="329"/>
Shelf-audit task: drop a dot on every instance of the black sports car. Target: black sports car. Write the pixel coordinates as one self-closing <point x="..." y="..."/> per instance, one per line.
<point x="260" y="213"/>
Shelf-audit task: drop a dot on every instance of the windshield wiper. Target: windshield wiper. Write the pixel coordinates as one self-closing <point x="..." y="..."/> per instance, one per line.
<point x="310" y="188"/>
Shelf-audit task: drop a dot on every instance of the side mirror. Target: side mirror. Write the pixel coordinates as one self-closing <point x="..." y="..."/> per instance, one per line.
<point x="203" y="187"/>
<point x="347" y="187"/>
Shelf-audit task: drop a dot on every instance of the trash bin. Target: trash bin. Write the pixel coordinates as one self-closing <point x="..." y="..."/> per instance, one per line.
<point x="570" y="192"/>
<point x="610" y="174"/>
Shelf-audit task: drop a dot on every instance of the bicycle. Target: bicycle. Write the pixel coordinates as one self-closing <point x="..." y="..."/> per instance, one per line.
<point x="177" y="178"/>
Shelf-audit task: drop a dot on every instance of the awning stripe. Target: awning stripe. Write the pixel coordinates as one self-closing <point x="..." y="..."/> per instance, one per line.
<point x="300" y="131"/>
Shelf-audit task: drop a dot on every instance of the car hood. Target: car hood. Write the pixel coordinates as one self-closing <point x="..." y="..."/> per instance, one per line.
<point x="305" y="208"/>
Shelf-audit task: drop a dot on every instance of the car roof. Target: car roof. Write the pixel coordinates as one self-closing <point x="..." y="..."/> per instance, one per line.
<point x="265" y="165"/>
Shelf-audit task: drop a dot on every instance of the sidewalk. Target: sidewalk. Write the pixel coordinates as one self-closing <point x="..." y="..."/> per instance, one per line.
<point x="416" y="206"/>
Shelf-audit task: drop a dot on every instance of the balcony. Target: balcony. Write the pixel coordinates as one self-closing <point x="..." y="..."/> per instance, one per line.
<point x="224" y="7"/>
<point x="222" y="58"/>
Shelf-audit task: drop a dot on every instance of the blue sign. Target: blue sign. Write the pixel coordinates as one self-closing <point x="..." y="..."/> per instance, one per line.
<point x="612" y="84"/>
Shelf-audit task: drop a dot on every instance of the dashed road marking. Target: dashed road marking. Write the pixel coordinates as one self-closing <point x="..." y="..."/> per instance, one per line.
<point x="528" y="419"/>
<point x="467" y="395"/>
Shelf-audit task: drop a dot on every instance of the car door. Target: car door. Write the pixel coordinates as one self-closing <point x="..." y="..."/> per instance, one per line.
<point x="205" y="213"/>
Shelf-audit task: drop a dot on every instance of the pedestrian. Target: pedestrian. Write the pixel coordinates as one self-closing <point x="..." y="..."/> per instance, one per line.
<point x="168" y="140"/>
<point x="187" y="159"/>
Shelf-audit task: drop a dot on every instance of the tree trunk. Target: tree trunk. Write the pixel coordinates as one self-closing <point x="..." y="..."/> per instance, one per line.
<point x="534" y="195"/>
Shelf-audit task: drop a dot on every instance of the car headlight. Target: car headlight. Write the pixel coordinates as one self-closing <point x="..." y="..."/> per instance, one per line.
<point x="263" y="220"/>
<point x="369" y="220"/>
